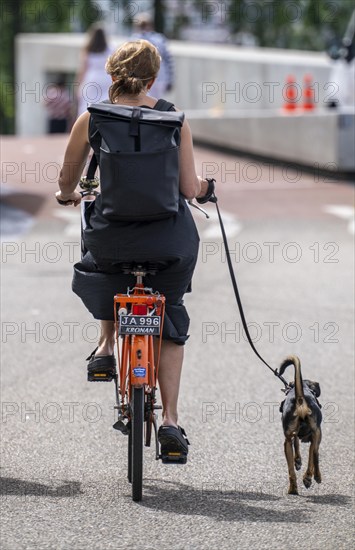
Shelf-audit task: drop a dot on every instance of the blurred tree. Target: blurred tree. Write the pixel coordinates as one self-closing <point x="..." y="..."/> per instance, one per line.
<point x="18" y="16"/>
<point x="299" y="24"/>
<point x="302" y="24"/>
<point x="159" y="15"/>
<point x="132" y="9"/>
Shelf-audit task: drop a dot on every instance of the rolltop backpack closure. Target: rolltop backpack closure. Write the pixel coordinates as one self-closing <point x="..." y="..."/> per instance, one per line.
<point x="139" y="160"/>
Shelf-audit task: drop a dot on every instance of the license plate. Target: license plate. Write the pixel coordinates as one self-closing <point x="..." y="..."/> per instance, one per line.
<point x="139" y="324"/>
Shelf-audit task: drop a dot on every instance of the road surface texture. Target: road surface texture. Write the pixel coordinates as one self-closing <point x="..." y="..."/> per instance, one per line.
<point x="63" y="467"/>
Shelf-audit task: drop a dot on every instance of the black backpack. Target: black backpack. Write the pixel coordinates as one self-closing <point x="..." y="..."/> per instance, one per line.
<point x="138" y="160"/>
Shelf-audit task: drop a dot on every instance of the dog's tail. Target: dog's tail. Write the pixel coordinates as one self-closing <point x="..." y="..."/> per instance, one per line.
<point x="302" y="409"/>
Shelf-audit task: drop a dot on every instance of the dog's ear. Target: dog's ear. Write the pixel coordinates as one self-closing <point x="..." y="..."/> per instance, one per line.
<point x="314" y="387"/>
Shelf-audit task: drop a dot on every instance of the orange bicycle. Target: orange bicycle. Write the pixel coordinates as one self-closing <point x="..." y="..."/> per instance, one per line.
<point x="139" y="316"/>
<point x="139" y="319"/>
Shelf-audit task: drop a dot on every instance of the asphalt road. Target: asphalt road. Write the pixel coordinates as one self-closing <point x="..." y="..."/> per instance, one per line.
<point x="63" y="467"/>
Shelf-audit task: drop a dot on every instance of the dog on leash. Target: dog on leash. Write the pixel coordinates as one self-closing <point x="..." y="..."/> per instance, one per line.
<point x="301" y="420"/>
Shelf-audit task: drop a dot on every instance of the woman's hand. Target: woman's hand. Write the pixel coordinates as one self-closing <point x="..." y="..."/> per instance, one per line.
<point x="207" y="191"/>
<point x="72" y="199"/>
<point x="204" y="187"/>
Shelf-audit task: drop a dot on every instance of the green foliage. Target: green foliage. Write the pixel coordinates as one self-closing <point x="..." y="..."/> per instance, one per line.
<point x="86" y="13"/>
<point x="39" y="16"/>
<point x="298" y="24"/>
<point x="159" y="10"/>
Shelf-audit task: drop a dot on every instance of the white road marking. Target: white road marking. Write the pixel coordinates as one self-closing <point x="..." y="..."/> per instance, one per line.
<point x="72" y="216"/>
<point x="69" y="213"/>
<point x="231" y="224"/>
<point x="344" y="212"/>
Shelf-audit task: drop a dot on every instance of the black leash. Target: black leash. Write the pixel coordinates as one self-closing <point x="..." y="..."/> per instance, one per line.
<point x="212" y="198"/>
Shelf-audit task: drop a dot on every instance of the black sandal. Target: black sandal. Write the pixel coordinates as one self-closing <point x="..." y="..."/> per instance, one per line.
<point x="101" y="368"/>
<point x="174" y="444"/>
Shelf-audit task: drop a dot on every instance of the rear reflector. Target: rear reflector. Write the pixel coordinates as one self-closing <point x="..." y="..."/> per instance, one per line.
<point x="139" y="309"/>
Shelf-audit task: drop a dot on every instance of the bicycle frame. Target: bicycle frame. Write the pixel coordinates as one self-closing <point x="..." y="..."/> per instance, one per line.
<point x="136" y="360"/>
<point x="135" y="326"/>
<point x="137" y="364"/>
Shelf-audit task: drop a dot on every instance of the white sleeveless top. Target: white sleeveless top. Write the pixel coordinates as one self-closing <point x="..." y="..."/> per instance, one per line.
<point x="96" y="82"/>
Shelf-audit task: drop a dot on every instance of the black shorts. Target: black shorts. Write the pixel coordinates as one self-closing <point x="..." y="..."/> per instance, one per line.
<point x="96" y="285"/>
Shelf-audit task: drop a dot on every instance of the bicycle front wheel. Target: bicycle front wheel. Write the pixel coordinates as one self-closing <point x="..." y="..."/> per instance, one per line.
<point x="137" y="419"/>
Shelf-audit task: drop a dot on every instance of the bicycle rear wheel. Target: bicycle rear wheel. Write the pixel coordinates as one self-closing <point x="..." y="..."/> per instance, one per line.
<point x="129" y="472"/>
<point x="137" y="420"/>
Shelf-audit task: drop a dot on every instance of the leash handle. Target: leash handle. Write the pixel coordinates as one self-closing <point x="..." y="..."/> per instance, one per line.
<point x="237" y="295"/>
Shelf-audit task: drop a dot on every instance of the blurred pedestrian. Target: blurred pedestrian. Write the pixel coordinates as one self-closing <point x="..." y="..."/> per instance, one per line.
<point x="144" y="30"/>
<point x="94" y="82"/>
<point x="343" y="69"/>
<point x="59" y="106"/>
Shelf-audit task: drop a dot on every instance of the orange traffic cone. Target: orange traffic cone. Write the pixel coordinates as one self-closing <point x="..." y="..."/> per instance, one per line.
<point x="290" y="94"/>
<point x="308" y="93"/>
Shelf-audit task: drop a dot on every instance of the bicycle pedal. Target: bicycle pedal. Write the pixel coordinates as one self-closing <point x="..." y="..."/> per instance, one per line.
<point x="104" y="376"/>
<point x="122" y="427"/>
<point x="174" y="458"/>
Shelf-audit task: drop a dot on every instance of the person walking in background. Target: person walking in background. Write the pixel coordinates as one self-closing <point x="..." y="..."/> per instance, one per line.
<point x="94" y="82"/>
<point x="59" y="107"/>
<point x="144" y="30"/>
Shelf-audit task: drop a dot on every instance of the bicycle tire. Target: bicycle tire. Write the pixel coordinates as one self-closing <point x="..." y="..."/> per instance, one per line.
<point x="148" y="431"/>
<point x="137" y="421"/>
<point x="148" y="419"/>
<point x="129" y="470"/>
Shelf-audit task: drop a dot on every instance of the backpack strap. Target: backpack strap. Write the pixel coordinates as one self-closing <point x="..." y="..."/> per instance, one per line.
<point x="90" y="174"/>
<point x="134" y="128"/>
<point x="94" y="138"/>
<point x="163" y="105"/>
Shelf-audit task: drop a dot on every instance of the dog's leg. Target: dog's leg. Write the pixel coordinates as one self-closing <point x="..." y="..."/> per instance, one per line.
<point x="307" y="478"/>
<point x="298" y="459"/>
<point x="317" y="474"/>
<point x="292" y="490"/>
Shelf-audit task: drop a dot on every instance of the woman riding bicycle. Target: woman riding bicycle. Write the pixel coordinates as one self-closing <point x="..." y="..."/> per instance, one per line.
<point x="173" y="241"/>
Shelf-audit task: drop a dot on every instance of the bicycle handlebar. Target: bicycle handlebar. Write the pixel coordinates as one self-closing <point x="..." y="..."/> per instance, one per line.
<point x="82" y="193"/>
<point x="89" y="189"/>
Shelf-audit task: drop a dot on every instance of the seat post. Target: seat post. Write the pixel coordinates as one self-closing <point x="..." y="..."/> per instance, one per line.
<point x="139" y="273"/>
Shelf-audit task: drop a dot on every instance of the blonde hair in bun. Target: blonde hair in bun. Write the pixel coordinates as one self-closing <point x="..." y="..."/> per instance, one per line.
<point x="132" y="65"/>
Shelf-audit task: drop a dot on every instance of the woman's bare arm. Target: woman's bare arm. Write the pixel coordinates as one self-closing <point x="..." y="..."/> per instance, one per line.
<point x="74" y="161"/>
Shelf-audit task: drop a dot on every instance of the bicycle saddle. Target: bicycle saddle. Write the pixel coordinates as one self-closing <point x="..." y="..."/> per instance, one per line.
<point x="151" y="268"/>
